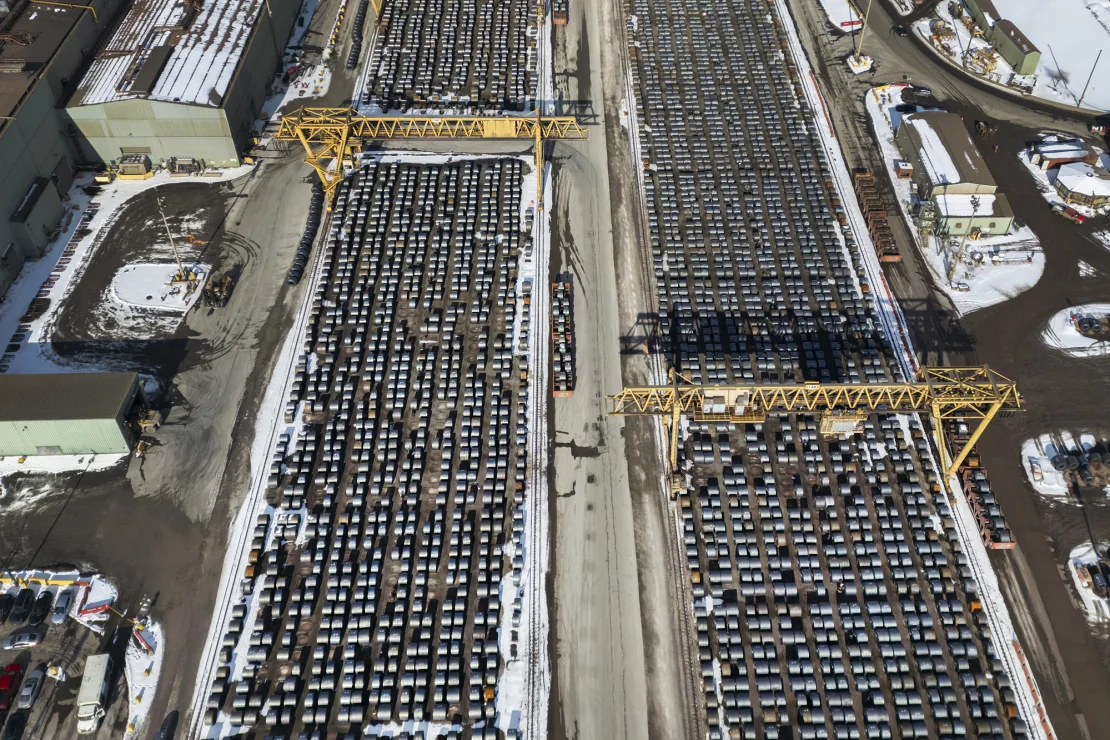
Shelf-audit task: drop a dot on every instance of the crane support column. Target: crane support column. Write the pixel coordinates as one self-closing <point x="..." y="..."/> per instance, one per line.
<point x="955" y="465"/>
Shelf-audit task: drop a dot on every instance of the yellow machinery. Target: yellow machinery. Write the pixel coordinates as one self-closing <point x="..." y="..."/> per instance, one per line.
<point x="944" y="392"/>
<point x="332" y="136"/>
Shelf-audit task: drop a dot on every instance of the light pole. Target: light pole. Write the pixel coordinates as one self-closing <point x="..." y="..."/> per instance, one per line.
<point x="162" y="209"/>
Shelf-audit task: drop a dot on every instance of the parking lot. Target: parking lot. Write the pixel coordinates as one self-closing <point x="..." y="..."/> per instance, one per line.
<point x="831" y="594"/>
<point x="391" y="551"/>
<point x="39" y="632"/>
<point x="478" y="55"/>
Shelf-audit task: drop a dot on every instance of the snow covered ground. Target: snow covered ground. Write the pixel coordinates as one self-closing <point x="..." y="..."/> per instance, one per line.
<point x="1060" y="332"/>
<point x="1096" y="607"/>
<point x="1036" y="460"/>
<point x="993" y="269"/>
<point x="842" y="14"/>
<point x="1045" y="180"/>
<point x="1087" y="270"/>
<point x="1069" y="34"/>
<point x="894" y="326"/>
<point x="141" y="669"/>
<point x="149" y="286"/>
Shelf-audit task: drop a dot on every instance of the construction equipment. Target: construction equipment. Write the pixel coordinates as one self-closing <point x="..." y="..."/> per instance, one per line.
<point x="195" y="241"/>
<point x="984" y="129"/>
<point x="943" y="392"/>
<point x="149" y="420"/>
<point x="332" y="136"/>
<point x="218" y="291"/>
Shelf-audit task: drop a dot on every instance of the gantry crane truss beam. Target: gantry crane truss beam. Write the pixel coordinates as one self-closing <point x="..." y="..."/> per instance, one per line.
<point x="331" y="136"/>
<point x="943" y="392"/>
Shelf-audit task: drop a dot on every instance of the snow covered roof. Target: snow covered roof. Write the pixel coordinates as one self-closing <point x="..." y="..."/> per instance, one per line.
<point x="172" y="50"/>
<point x="41" y="30"/>
<point x="1021" y="41"/>
<point x="945" y="149"/>
<point x="1084" y="179"/>
<point x="951" y="204"/>
<point x="1062" y="149"/>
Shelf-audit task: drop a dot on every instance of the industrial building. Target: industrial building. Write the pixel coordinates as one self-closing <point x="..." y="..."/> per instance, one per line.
<point x="1085" y="185"/>
<point x="1007" y="39"/>
<point x="948" y="171"/>
<point x="179" y="79"/>
<point x="68" y="413"/>
<point x="42" y="48"/>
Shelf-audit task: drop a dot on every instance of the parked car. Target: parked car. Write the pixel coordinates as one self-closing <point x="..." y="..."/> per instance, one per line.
<point x="901" y="30"/>
<point x="24" y="638"/>
<point x="61" y="607"/>
<point x="22" y="606"/>
<point x="17" y="723"/>
<point x="9" y="685"/>
<point x="1068" y="212"/>
<point x="41" y="609"/>
<point x="7" y="601"/>
<point x="32" y="685"/>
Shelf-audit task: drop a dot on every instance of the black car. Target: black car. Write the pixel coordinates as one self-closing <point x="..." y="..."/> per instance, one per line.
<point x="22" y="607"/>
<point x="901" y="30"/>
<point x="41" y="609"/>
<point x="6" y="603"/>
<point x="17" y="723"/>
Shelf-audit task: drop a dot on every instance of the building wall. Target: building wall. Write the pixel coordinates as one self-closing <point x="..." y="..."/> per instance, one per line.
<point x="36" y="141"/>
<point x="1023" y="63"/>
<point x="31" y="146"/>
<point x="961" y="225"/>
<point x="161" y="130"/>
<point x="164" y="130"/>
<point x="261" y="61"/>
<point x="1082" y="199"/>
<point x="64" y="437"/>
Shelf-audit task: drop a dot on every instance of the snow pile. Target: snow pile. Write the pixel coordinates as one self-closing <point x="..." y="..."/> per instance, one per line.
<point x="1061" y="332"/>
<point x="150" y="285"/>
<point x="1046" y="181"/>
<point x="1036" y="460"/>
<point x="1087" y="270"/>
<point x="1081" y="561"/>
<point x="141" y="669"/>
<point x="1069" y="34"/>
<point x="842" y="15"/>
<point x="1102" y="237"/>
<point x="93" y="602"/>
<point x="992" y="269"/>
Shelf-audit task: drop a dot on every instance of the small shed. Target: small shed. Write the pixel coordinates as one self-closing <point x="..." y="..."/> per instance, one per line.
<point x="1083" y="184"/>
<point x="1049" y="154"/>
<point x="1015" y="47"/>
<point x="68" y="413"/>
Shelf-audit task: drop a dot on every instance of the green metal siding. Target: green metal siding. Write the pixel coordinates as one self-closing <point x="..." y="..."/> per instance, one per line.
<point x="70" y="436"/>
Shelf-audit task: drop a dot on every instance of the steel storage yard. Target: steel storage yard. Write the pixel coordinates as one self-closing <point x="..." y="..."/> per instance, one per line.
<point x="67" y="413"/>
<point x="179" y="80"/>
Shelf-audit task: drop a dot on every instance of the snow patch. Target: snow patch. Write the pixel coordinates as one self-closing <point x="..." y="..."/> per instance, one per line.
<point x="141" y="669"/>
<point x="842" y="14"/>
<point x="1061" y="332"/>
<point x="150" y="285"/>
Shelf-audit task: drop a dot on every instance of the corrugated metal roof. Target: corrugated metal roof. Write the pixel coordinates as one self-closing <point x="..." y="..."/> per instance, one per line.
<point x="53" y="397"/>
<point x="208" y="41"/>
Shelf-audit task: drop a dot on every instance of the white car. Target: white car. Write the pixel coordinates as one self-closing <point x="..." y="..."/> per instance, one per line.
<point x="61" y="607"/>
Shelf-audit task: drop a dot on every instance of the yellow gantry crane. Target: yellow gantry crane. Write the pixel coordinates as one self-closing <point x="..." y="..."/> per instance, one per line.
<point x="943" y="392"/>
<point x="332" y="137"/>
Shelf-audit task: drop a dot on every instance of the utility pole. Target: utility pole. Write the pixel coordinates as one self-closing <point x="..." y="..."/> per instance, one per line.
<point x="1089" y="77"/>
<point x="963" y="242"/>
<point x="180" y="268"/>
<point x="863" y="31"/>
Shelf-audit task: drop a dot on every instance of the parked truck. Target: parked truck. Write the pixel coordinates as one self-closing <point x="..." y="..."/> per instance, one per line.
<point x="1069" y="213"/>
<point x="93" y="695"/>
